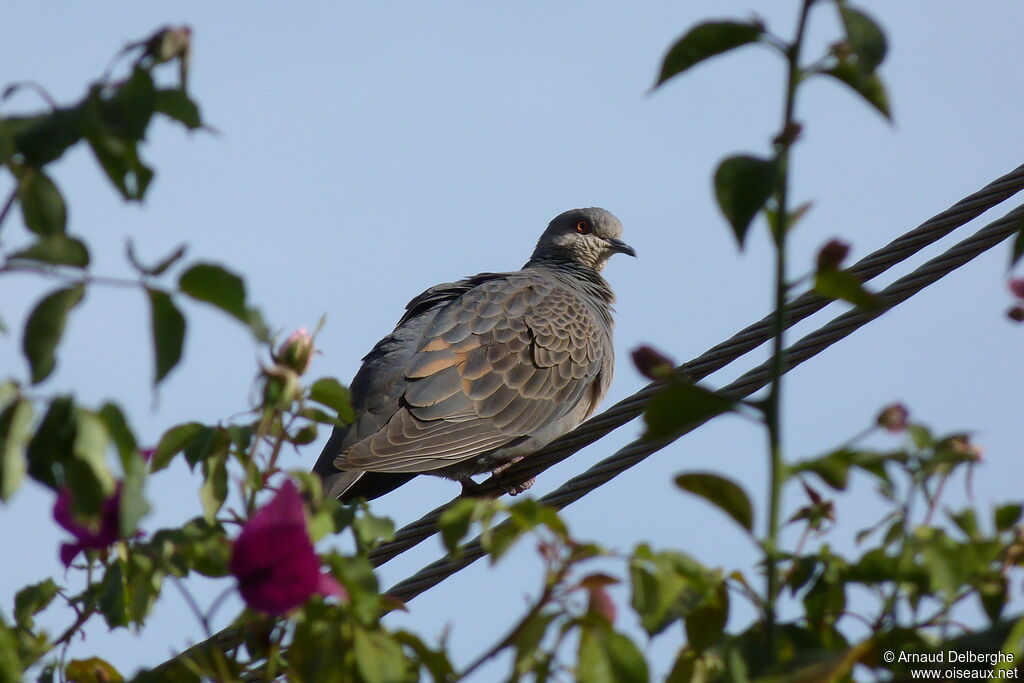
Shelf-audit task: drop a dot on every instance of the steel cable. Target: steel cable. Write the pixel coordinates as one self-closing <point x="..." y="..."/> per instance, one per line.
<point x="807" y="347"/>
<point x="717" y="357"/>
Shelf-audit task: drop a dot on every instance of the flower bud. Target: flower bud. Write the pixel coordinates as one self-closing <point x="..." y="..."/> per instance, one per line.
<point x="280" y="386"/>
<point x="652" y="364"/>
<point x="1017" y="287"/>
<point x="832" y="255"/>
<point x="1016" y="314"/>
<point x="893" y="418"/>
<point x="297" y="351"/>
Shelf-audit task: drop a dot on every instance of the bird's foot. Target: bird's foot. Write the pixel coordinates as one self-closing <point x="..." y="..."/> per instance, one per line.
<point x="512" y="489"/>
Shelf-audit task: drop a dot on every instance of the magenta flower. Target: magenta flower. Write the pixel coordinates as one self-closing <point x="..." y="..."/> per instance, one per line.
<point x="87" y="537"/>
<point x="273" y="558"/>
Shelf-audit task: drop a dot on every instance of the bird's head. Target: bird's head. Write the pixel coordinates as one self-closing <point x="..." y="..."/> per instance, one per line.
<point x="585" y="236"/>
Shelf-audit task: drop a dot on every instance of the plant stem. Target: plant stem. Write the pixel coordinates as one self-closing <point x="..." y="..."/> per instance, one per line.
<point x="783" y="143"/>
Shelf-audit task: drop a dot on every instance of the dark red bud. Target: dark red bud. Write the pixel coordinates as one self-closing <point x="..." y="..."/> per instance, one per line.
<point x="653" y="364"/>
<point x="893" y="418"/>
<point x="832" y="255"/>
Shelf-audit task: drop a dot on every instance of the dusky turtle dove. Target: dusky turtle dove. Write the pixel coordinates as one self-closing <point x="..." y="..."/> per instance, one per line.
<point x="481" y="372"/>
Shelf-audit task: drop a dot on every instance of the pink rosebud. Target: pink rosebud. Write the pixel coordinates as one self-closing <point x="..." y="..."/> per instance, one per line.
<point x="1017" y="287"/>
<point x="297" y="351"/>
<point x="832" y="255"/>
<point x="1016" y="314"/>
<point x="893" y="418"/>
<point x="653" y="364"/>
<point x="273" y="558"/>
<point x="87" y="536"/>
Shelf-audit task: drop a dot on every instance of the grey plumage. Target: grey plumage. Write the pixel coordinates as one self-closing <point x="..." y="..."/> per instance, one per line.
<point x="483" y="371"/>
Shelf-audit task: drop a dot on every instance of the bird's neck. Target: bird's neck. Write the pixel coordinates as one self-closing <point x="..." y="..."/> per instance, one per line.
<point x="588" y="278"/>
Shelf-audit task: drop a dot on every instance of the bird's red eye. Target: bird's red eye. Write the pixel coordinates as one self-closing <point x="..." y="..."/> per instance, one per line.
<point x="583" y="227"/>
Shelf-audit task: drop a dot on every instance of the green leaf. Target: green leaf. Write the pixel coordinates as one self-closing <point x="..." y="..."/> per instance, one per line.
<point x="119" y="159"/>
<point x="705" y="624"/>
<point x="331" y="393"/>
<point x="44" y="138"/>
<point x="378" y="657"/>
<point x="1007" y="516"/>
<point x="59" y="250"/>
<point x="15" y="430"/>
<point x="865" y="37"/>
<point x="53" y="442"/>
<point x="723" y="493"/>
<point x="128" y="112"/>
<point x="174" y="441"/>
<point x="704" y="41"/>
<point x="112" y="599"/>
<point x="213" y="284"/>
<point x="609" y="657"/>
<point x="168" y="327"/>
<point x="42" y="206"/>
<point x="868" y="86"/>
<point x="743" y="184"/>
<point x="133" y="504"/>
<point x="369" y="529"/>
<point x="841" y="284"/>
<point x="161" y="266"/>
<point x="31" y="600"/>
<point x="44" y="329"/>
<point x="10" y="659"/>
<point x="1018" y="248"/>
<point x="214" y="490"/>
<point x="176" y="104"/>
<point x="88" y="473"/>
<point x="455" y="521"/>
<point x="679" y="406"/>
<point x="92" y="670"/>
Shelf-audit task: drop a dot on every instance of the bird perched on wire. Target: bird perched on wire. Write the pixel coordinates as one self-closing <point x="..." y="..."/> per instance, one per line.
<point x="481" y="372"/>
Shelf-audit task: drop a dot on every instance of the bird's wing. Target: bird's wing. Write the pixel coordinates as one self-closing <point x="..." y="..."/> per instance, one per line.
<point x="497" y="363"/>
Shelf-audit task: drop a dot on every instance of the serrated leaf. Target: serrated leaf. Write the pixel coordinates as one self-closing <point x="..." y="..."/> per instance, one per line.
<point x="44" y="138"/>
<point x="705" y="624"/>
<point x="15" y="430"/>
<point x="704" y="41"/>
<point x="868" y="86"/>
<point x="168" y="328"/>
<point x="743" y="184"/>
<point x="865" y="37"/>
<point x="723" y="493"/>
<point x="680" y="405"/>
<point x="176" y="104"/>
<point x="331" y="393"/>
<point x="119" y="159"/>
<point x="59" y="250"/>
<point x="843" y="285"/>
<point x="45" y="327"/>
<point x="214" y="284"/>
<point x="42" y="205"/>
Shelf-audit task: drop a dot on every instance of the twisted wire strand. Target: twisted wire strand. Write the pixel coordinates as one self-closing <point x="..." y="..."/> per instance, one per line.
<point x="804" y="349"/>
<point x="715" y="358"/>
<point x="629" y="408"/>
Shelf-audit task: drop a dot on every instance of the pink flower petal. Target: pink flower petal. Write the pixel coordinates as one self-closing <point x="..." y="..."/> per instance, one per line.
<point x="273" y="558"/>
<point x="1017" y="287"/>
<point x="329" y="586"/>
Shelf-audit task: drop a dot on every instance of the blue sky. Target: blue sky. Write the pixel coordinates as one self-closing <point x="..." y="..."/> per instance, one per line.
<point x="368" y="151"/>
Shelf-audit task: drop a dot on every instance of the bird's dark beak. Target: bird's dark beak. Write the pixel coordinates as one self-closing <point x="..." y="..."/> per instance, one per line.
<point x="620" y="247"/>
